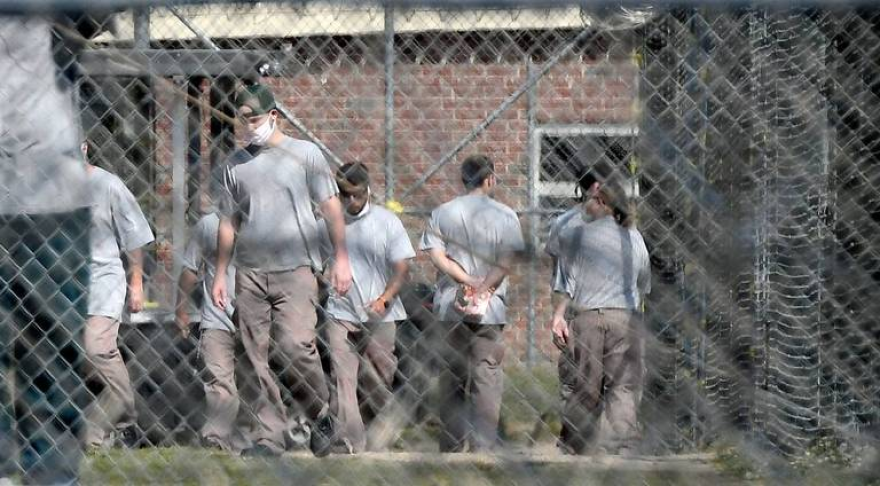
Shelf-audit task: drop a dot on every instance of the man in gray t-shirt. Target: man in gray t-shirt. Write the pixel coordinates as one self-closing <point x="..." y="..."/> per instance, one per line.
<point x="471" y="241"/>
<point x="218" y="343"/>
<point x="361" y="326"/>
<point x="604" y="273"/>
<point x="118" y="226"/>
<point x="559" y="251"/>
<point x="268" y="214"/>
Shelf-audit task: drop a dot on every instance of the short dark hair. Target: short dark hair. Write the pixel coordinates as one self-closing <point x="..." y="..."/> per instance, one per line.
<point x="476" y="169"/>
<point x="353" y="174"/>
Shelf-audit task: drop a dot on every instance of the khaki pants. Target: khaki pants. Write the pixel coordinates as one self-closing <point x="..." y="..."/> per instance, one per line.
<point x="362" y="359"/>
<point x="471" y="384"/>
<point x="607" y="352"/>
<point x="114" y="407"/>
<point x="226" y="421"/>
<point x="287" y="300"/>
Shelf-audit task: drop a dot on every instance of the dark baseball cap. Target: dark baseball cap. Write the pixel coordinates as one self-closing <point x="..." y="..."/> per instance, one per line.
<point x="258" y="97"/>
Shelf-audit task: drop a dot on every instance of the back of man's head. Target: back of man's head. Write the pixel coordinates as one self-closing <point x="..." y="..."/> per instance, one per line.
<point x="353" y="174"/>
<point x="475" y="170"/>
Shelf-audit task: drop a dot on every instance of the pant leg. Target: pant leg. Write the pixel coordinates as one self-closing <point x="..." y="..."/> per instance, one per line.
<point x="246" y="423"/>
<point x="487" y="383"/>
<point x="583" y="409"/>
<point x="217" y="349"/>
<point x="378" y="365"/>
<point x="43" y="297"/>
<point x="344" y="366"/>
<point x="114" y="407"/>
<point x="255" y="321"/>
<point x="623" y="350"/>
<point x="567" y="373"/>
<point x="293" y="295"/>
<point x="452" y="410"/>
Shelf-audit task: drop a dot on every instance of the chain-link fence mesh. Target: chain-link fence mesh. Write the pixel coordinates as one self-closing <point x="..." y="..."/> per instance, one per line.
<point x="747" y="134"/>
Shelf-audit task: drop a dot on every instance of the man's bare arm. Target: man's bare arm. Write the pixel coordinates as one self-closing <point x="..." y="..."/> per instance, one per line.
<point x="340" y="274"/>
<point x="135" y="280"/>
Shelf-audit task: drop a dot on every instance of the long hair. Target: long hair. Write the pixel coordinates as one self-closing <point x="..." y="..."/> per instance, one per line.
<point x="613" y="192"/>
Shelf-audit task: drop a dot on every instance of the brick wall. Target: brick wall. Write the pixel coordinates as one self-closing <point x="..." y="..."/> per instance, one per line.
<point x="438" y="105"/>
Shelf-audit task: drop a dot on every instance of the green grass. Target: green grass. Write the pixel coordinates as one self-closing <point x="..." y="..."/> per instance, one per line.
<point x="186" y="466"/>
<point x="530" y="406"/>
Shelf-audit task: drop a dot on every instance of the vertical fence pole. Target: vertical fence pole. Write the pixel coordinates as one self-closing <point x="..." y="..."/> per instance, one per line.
<point x="142" y="28"/>
<point x="389" y="103"/>
<point x="533" y="173"/>
<point x="179" y="143"/>
<point x="194" y="148"/>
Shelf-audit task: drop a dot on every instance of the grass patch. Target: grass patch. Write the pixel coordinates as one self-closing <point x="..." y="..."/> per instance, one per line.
<point x="530" y="405"/>
<point x="186" y="466"/>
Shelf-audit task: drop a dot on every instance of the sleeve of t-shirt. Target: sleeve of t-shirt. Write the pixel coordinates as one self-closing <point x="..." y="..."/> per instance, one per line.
<point x="512" y="236"/>
<point x="324" y="244"/>
<point x="192" y="253"/>
<point x="432" y="238"/>
<point x="552" y="246"/>
<point x="644" y="278"/>
<point x="227" y="204"/>
<point x="399" y="247"/>
<point x="321" y="184"/>
<point x="562" y="281"/>
<point x="132" y="228"/>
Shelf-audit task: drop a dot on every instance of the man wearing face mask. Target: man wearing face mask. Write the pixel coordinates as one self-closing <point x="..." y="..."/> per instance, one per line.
<point x="267" y="214"/>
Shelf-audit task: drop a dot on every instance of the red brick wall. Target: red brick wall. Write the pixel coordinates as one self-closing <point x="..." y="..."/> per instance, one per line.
<point x="438" y="105"/>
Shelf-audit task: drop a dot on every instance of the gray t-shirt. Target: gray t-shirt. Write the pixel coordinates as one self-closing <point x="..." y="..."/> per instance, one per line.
<point x="41" y="170"/>
<point x="375" y="240"/>
<point x="556" y="247"/>
<point x="474" y="231"/>
<point x="199" y="256"/>
<point x="118" y="226"/>
<point x="273" y="196"/>
<point x="608" y="266"/>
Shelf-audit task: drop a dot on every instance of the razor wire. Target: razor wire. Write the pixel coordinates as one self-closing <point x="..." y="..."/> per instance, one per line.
<point x="749" y="131"/>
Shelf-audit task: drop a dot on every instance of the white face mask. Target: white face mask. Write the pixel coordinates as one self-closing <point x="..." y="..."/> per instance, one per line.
<point x="261" y="134"/>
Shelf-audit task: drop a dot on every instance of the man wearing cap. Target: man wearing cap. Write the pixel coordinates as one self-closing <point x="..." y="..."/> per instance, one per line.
<point x="118" y="227"/>
<point x="268" y="215"/>
<point x="471" y="241"/>
<point x="361" y="326"/>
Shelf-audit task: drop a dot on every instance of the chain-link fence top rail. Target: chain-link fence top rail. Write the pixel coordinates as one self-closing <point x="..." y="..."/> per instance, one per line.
<point x="750" y="134"/>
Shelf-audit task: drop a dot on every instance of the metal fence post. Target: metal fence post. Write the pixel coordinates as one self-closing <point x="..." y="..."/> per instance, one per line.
<point x="534" y="222"/>
<point x="179" y="144"/>
<point x="389" y="103"/>
<point x="142" y="28"/>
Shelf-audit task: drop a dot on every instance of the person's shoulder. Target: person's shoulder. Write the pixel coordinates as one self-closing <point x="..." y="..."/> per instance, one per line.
<point x="502" y="208"/>
<point x="108" y="179"/>
<point x="385" y="215"/>
<point x="636" y="234"/>
<point x="448" y="206"/>
<point x="299" y="147"/>
<point x="238" y="157"/>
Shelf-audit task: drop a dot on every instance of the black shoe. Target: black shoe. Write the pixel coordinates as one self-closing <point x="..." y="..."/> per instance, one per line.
<point x="211" y="443"/>
<point x="323" y="436"/>
<point x="260" y="450"/>
<point x="128" y="438"/>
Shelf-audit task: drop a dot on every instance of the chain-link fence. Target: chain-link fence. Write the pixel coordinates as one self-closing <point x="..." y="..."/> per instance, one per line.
<point x="747" y="136"/>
